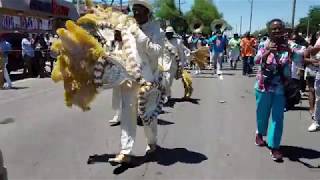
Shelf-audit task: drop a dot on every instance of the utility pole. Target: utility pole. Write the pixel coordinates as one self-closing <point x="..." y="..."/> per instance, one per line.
<point x="308" y="28"/>
<point x="251" y="15"/>
<point x="240" y="25"/>
<point x="78" y="6"/>
<point x="121" y="5"/>
<point x="236" y="28"/>
<point x="294" y="2"/>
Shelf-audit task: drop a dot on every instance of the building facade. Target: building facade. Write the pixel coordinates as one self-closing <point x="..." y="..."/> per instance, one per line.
<point x="35" y="15"/>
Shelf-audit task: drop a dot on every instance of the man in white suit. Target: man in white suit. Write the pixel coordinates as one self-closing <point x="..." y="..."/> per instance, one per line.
<point x="149" y="48"/>
<point x="173" y="57"/>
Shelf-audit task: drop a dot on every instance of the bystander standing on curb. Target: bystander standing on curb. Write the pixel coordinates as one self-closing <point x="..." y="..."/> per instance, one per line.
<point x="1" y="71"/>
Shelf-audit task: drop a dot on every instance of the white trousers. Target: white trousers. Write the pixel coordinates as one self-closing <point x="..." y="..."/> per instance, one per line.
<point x="211" y="58"/>
<point x="168" y="78"/>
<point x="128" y="118"/>
<point x="317" y="104"/>
<point x="217" y="60"/>
<point x="234" y="55"/>
<point x="116" y="103"/>
<point x="6" y="75"/>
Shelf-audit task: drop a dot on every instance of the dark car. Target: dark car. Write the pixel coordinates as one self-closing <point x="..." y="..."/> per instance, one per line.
<point x="15" y="60"/>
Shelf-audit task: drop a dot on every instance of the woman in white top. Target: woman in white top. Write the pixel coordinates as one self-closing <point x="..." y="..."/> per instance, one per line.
<point x="313" y="56"/>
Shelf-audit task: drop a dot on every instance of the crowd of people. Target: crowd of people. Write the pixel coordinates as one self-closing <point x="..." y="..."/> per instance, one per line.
<point x="35" y="52"/>
<point x="284" y="63"/>
<point x="287" y="63"/>
<point x="223" y="48"/>
<point x="281" y="57"/>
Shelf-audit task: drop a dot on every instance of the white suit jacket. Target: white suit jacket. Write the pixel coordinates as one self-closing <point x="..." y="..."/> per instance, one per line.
<point x="149" y="49"/>
<point x="167" y="61"/>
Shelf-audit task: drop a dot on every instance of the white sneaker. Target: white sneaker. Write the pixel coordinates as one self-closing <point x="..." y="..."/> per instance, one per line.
<point x="115" y="120"/>
<point x="7" y="86"/>
<point x="314" y="127"/>
<point x="220" y="77"/>
<point x="165" y="99"/>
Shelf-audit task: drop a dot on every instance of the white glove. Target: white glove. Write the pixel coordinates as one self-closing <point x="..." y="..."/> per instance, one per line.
<point x="141" y="37"/>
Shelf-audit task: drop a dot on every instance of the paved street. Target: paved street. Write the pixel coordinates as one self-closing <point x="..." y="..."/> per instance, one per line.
<point x="41" y="139"/>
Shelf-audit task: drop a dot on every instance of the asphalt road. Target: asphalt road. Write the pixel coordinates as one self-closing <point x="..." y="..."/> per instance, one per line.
<point x="210" y="137"/>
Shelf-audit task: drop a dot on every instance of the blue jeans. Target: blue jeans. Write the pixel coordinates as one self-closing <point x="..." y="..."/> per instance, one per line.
<point x="269" y="103"/>
<point x="247" y="65"/>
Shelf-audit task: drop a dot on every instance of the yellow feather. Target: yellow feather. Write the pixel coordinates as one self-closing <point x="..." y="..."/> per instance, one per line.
<point x="89" y="3"/>
<point x="200" y="57"/>
<point x="187" y="82"/>
<point x="78" y="53"/>
<point x="56" y="46"/>
<point x="88" y="19"/>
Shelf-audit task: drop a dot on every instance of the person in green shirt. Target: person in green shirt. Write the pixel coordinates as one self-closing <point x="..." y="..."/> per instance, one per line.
<point x="234" y="50"/>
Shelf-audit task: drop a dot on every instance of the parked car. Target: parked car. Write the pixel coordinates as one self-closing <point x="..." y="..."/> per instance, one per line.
<point x="15" y="60"/>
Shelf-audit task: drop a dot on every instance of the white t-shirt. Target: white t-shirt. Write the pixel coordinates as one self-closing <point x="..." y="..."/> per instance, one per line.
<point x="311" y="70"/>
<point x="317" y="57"/>
<point x="27" y="48"/>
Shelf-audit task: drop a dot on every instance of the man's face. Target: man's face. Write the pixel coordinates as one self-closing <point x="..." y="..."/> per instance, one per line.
<point x="140" y="13"/>
<point x="117" y="36"/>
<point x="169" y="35"/>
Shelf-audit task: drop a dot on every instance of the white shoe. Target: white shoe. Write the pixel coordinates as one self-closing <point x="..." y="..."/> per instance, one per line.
<point x="121" y="159"/>
<point x="115" y="120"/>
<point x="165" y="99"/>
<point x="314" y="127"/>
<point x="7" y="86"/>
<point x="151" y="148"/>
<point x="220" y="77"/>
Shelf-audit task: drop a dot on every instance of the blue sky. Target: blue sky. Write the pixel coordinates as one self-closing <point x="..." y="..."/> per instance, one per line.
<point x="263" y="11"/>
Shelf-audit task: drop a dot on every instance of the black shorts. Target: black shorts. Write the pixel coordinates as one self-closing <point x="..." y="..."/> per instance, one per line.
<point x="310" y="81"/>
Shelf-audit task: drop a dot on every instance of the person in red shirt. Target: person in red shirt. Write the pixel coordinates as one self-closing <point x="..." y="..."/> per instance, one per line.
<point x="247" y="53"/>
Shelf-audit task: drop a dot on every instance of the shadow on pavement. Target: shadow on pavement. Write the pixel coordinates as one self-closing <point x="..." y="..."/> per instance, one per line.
<point x="203" y="76"/>
<point x="229" y="74"/>
<point x="6" y="121"/>
<point x="15" y="88"/>
<point x="163" y="156"/>
<point x="3" y="170"/>
<point x="161" y="122"/>
<point x="172" y="101"/>
<point x="300" y="108"/>
<point x="297" y="153"/>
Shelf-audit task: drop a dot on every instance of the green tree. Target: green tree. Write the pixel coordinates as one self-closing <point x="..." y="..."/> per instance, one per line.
<point x="166" y="10"/>
<point x="314" y="21"/>
<point x="205" y="11"/>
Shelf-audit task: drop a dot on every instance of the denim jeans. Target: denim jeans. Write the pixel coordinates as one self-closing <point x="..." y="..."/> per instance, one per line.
<point x="247" y="65"/>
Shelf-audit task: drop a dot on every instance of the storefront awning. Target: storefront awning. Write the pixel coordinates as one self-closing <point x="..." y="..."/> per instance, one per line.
<point x="50" y="8"/>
